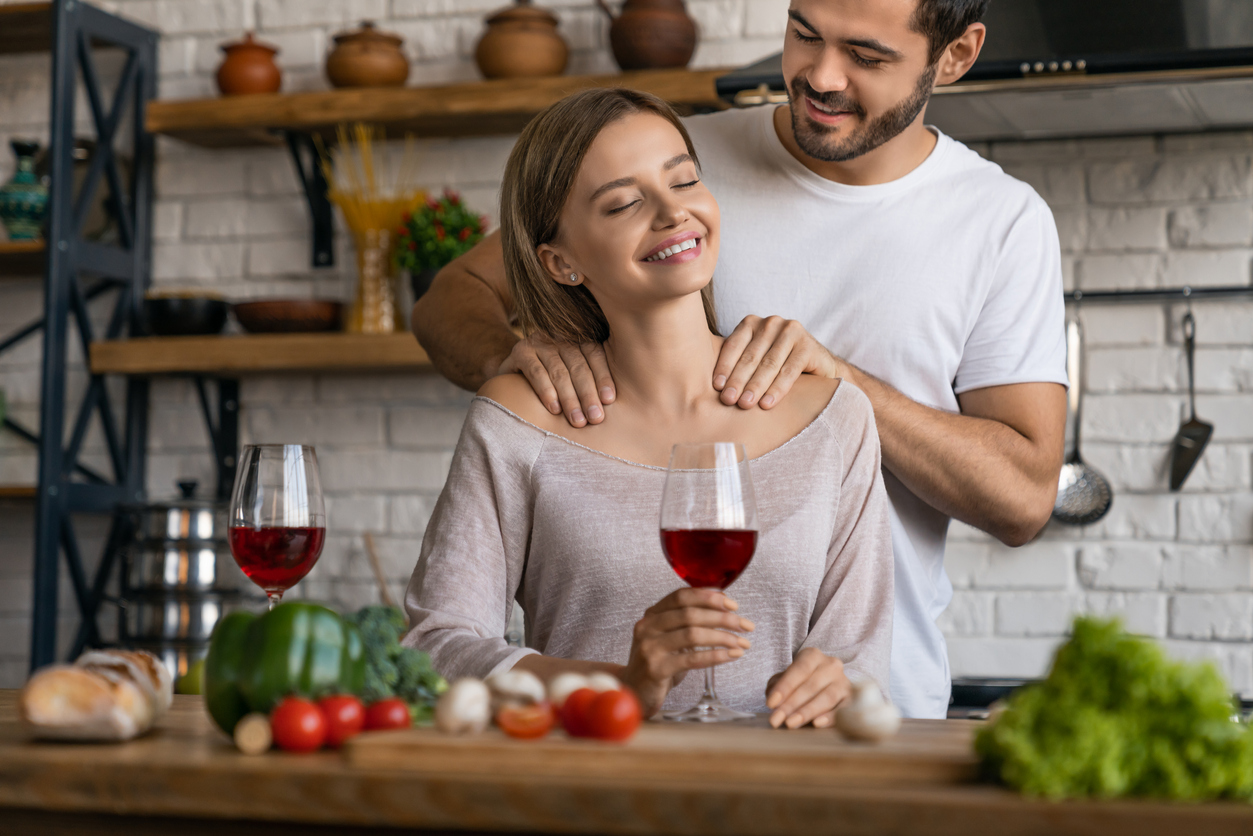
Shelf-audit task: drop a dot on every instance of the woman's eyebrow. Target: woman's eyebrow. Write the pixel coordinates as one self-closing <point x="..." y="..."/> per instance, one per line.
<point x="673" y="162"/>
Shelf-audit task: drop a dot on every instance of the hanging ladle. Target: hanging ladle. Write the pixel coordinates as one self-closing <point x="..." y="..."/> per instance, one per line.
<point x="1193" y="435"/>
<point x="1083" y="494"/>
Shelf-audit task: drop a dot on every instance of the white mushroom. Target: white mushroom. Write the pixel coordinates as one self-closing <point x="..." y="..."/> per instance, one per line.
<point x="563" y="685"/>
<point x="466" y="707"/>
<point x="601" y="681"/>
<point x="867" y="716"/>
<point x="516" y="687"/>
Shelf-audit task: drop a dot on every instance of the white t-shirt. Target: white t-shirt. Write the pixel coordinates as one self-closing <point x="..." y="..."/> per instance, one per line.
<point x="943" y="281"/>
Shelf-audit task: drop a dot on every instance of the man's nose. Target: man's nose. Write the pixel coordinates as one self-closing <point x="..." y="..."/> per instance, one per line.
<point x="828" y="73"/>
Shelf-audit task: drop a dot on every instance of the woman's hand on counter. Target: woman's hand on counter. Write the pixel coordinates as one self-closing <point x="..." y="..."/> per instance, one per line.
<point x="762" y="358"/>
<point x="568" y="378"/>
<point x="665" y="641"/>
<point x="808" y="691"/>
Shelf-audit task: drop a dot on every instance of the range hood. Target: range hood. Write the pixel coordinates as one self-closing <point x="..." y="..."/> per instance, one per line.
<point x="1058" y="104"/>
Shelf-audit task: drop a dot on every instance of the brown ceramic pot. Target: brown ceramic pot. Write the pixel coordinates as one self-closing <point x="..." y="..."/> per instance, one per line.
<point x="249" y="68"/>
<point x="367" y="57"/>
<point x="521" y="41"/>
<point x="651" y="34"/>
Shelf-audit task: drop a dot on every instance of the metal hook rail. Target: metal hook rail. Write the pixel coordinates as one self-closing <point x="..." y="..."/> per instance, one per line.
<point x="1163" y="294"/>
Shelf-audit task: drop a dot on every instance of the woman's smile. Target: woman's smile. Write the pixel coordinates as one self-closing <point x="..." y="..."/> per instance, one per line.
<point x="677" y="249"/>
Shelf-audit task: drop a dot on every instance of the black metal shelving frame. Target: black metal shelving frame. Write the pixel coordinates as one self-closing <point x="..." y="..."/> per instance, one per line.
<point x="78" y="271"/>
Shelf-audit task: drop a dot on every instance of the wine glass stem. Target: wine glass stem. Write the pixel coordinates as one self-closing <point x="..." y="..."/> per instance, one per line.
<point x="275" y="598"/>
<point x="711" y="695"/>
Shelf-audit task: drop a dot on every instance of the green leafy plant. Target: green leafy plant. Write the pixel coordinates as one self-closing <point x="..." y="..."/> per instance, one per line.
<point x="437" y="233"/>
<point x="391" y="669"/>
<point x="1116" y="717"/>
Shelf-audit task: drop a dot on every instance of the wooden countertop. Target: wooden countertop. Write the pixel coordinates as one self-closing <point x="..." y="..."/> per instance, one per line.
<point x="186" y="778"/>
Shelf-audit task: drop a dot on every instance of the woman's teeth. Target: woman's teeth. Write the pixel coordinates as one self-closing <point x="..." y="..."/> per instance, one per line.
<point x="689" y="244"/>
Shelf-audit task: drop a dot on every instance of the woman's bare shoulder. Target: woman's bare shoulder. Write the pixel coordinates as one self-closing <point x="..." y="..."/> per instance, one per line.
<point x="810" y="396"/>
<point x="514" y="393"/>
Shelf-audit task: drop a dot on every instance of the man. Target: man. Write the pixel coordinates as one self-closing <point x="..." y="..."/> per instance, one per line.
<point x="892" y="257"/>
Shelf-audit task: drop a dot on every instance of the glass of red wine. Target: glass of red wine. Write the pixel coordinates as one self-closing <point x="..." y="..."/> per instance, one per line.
<point x="708" y="534"/>
<point x="278" y="523"/>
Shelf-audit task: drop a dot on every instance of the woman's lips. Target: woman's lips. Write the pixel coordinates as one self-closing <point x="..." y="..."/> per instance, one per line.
<point x="824" y="117"/>
<point x="679" y="258"/>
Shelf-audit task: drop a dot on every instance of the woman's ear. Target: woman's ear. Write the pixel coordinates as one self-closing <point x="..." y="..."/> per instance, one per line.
<point x="556" y="266"/>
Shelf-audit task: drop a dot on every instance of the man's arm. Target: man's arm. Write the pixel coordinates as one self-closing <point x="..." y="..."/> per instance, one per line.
<point x="994" y="466"/>
<point x="463" y="322"/>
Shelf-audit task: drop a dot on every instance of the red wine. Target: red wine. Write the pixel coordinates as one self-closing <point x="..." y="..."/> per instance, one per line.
<point x="708" y="557"/>
<point x="275" y="558"/>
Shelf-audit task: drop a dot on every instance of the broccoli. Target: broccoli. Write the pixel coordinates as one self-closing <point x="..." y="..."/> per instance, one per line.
<point x="1116" y="717"/>
<point x="393" y="670"/>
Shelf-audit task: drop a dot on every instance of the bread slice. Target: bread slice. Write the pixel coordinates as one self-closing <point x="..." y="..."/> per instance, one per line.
<point x="104" y="695"/>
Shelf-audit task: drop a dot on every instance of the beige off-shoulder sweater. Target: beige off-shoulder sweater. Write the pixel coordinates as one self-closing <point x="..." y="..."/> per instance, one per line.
<point x="572" y="535"/>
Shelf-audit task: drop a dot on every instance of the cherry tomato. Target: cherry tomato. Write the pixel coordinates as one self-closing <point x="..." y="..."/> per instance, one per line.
<point x="298" y="725"/>
<point x="614" y="715"/>
<point x="391" y="713"/>
<point x="345" y="717"/>
<point x="525" y="721"/>
<point x="574" y="712"/>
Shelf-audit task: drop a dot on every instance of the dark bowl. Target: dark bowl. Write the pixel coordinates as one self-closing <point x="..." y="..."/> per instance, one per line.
<point x="285" y="316"/>
<point x="179" y="315"/>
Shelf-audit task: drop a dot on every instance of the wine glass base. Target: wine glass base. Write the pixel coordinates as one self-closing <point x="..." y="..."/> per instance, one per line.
<point x="707" y="711"/>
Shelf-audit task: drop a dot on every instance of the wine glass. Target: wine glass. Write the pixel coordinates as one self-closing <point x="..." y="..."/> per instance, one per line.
<point x="278" y="523"/>
<point x="708" y="534"/>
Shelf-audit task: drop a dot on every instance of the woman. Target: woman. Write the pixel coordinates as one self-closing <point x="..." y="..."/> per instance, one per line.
<point x="609" y="235"/>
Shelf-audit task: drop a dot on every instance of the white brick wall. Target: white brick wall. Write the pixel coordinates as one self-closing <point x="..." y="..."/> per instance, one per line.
<point x="1131" y="212"/>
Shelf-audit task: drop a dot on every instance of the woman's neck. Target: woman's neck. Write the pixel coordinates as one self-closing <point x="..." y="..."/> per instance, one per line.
<point x="663" y="359"/>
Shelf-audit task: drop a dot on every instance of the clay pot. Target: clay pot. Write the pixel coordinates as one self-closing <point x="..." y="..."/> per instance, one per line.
<point x="249" y="68"/>
<point x="521" y="41"/>
<point x="651" y="34"/>
<point x="367" y="57"/>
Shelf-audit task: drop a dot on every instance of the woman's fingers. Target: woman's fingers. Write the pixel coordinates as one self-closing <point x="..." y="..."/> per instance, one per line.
<point x="677" y="619"/>
<point x="689" y="597"/>
<point x="813" y="685"/>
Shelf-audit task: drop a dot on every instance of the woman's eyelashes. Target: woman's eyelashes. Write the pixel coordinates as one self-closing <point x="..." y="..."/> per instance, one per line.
<point x="625" y="206"/>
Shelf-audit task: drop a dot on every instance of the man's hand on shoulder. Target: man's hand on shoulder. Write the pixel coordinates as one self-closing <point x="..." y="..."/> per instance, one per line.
<point x="762" y="359"/>
<point x="568" y="379"/>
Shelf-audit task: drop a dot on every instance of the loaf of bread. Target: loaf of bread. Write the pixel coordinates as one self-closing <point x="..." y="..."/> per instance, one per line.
<point x="105" y="695"/>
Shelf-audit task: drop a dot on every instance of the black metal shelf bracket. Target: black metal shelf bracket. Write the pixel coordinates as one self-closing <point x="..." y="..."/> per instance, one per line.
<point x="314" y="183"/>
<point x="124" y="268"/>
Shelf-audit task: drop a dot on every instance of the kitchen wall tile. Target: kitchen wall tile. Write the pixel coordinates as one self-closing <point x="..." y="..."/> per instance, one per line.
<point x="273" y="14"/>
<point x="1208" y="567"/>
<point x="1208" y="518"/>
<point x="766" y="18"/>
<point x="1154" y="179"/>
<point x="1134" y="369"/>
<point x="1207" y="617"/>
<point x="1127" y="229"/>
<point x="1136" y="517"/>
<point x="1211" y="225"/>
<point x="356" y="513"/>
<point x="1017" y="657"/>
<point x="1121" y="565"/>
<point x="409" y="514"/>
<point x="1123" y="325"/>
<point x="1035" y="614"/>
<point x="968" y="614"/>
<point x="1141" y="613"/>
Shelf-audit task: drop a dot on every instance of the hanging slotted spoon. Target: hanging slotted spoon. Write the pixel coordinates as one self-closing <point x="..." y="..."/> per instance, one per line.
<point x="1083" y="495"/>
<point x="1193" y="435"/>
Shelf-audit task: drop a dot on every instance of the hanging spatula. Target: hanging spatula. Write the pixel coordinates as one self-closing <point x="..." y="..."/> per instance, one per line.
<point x="1193" y="435"/>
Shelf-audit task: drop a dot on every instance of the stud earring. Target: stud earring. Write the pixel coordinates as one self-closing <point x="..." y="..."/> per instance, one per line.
<point x="574" y="278"/>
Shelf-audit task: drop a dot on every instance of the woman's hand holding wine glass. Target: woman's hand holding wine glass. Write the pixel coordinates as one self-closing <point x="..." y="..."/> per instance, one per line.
<point x="686" y="630"/>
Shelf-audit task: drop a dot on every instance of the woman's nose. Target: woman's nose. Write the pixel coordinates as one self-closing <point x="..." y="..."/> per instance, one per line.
<point x="671" y="213"/>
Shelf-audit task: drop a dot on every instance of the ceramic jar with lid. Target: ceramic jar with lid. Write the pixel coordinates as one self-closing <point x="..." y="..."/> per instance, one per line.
<point x="24" y="200"/>
<point x="651" y="34"/>
<point x="249" y="68"/>
<point x="367" y="57"/>
<point x="521" y="41"/>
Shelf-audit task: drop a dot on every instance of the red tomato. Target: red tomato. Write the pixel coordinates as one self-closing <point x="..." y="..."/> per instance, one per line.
<point x="525" y="721"/>
<point x="345" y="716"/>
<point x="298" y="725"/>
<point x="391" y="713"/>
<point x="614" y="715"/>
<point x="574" y="712"/>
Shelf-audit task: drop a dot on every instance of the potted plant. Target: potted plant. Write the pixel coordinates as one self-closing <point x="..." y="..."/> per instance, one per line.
<point x="443" y="229"/>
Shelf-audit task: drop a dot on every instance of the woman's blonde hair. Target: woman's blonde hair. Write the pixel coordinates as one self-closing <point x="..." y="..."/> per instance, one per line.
<point x="538" y="179"/>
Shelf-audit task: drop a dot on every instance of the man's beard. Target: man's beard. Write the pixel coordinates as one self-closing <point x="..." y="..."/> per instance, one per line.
<point x="813" y="139"/>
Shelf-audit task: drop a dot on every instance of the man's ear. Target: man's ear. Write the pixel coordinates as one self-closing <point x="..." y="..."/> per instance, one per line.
<point x="554" y="264"/>
<point x="960" y="55"/>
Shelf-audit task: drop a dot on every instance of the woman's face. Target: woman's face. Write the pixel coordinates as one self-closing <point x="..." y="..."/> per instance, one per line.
<point x="639" y="226"/>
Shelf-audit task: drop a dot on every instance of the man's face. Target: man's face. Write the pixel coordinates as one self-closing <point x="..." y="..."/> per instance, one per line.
<point x="857" y="74"/>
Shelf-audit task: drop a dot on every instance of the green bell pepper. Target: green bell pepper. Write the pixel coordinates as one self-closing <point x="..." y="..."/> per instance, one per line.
<point x="296" y="648"/>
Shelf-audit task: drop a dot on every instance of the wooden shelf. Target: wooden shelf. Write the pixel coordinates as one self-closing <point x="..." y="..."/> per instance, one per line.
<point x="17" y="492"/>
<point x="260" y="353"/>
<point x="25" y="27"/>
<point x="20" y="259"/>
<point x="476" y="108"/>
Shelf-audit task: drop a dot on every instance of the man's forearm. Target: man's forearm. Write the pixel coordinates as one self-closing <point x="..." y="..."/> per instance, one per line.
<point x="978" y="470"/>
<point x="462" y="325"/>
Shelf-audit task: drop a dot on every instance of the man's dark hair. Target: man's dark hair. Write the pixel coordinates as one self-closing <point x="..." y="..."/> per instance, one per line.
<point x="943" y="21"/>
